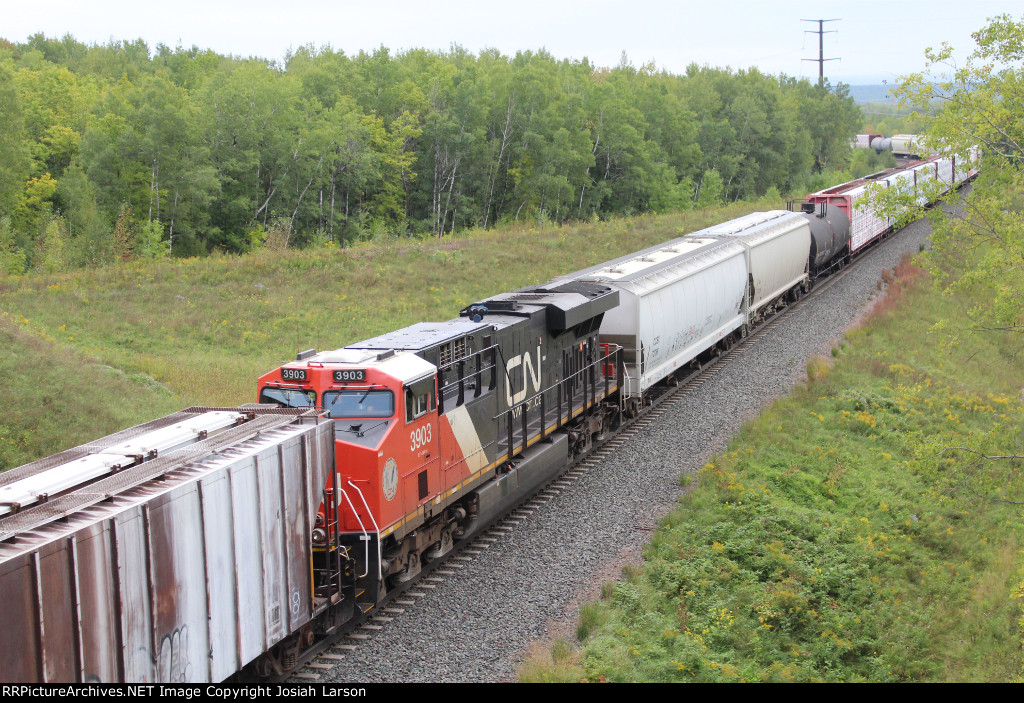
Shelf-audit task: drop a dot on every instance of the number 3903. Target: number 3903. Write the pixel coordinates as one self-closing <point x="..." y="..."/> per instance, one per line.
<point x="420" y="437"/>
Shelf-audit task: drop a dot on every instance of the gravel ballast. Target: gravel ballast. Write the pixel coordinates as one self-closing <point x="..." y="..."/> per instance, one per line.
<point x="478" y="625"/>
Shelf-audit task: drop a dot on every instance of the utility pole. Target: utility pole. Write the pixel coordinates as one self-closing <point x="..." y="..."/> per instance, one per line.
<point x="821" y="47"/>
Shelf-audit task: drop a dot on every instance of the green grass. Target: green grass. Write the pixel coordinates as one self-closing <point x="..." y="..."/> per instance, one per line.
<point x="55" y="397"/>
<point x="840" y="538"/>
<point x="558" y="662"/>
<point x="203" y="330"/>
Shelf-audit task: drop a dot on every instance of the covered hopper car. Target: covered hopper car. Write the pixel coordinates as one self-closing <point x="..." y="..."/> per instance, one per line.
<point x="185" y="558"/>
<point x="215" y="541"/>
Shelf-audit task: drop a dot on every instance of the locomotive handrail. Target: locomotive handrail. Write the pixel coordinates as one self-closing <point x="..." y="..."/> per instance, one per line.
<point x="612" y="353"/>
<point x="461" y="381"/>
<point x="376" y="529"/>
<point x="366" y="534"/>
<point x="615" y="351"/>
<point x="467" y="357"/>
<point x="366" y="557"/>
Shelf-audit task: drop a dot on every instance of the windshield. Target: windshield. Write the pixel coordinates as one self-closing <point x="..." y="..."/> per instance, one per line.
<point x="360" y="403"/>
<point x="289" y="397"/>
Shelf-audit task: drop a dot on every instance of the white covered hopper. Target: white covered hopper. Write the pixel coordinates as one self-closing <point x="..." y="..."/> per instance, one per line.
<point x="675" y="301"/>
<point x="778" y="243"/>
<point x="182" y="568"/>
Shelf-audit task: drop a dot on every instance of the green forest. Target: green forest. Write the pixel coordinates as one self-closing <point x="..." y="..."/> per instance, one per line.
<point x="121" y="151"/>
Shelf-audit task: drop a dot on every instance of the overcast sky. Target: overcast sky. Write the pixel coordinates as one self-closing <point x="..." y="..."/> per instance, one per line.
<point x="876" y="39"/>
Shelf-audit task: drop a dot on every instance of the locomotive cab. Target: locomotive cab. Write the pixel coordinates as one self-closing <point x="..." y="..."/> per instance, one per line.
<point x="384" y="410"/>
<point x="386" y="438"/>
<point x="385" y="425"/>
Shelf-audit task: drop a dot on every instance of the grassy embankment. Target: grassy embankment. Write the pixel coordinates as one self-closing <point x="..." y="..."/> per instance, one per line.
<point x="87" y="353"/>
<point x="841" y="537"/>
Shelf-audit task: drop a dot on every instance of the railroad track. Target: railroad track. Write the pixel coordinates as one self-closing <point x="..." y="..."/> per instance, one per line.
<point x="325" y="655"/>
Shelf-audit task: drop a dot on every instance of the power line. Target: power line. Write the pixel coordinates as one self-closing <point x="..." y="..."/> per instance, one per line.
<point x="821" y="47"/>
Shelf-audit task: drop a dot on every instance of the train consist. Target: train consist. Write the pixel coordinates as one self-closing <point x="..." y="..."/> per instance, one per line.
<point x="216" y="541"/>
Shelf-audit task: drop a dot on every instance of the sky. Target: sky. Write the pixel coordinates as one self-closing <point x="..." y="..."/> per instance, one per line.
<point x="874" y="40"/>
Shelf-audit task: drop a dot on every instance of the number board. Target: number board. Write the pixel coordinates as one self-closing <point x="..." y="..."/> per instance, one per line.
<point x="346" y="375"/>
<point x="293" y="374"/>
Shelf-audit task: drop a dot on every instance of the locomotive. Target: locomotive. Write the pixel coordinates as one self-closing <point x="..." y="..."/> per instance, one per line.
<point x="217" y="540"/>
<point x="442" y="427"/>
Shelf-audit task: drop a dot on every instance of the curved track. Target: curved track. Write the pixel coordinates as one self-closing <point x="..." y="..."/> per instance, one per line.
<point x="354" y="654"/>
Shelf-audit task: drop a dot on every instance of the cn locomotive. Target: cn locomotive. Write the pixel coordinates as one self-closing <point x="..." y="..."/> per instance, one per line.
<point x="217" y="540"/>
<point x="439" y="427"/>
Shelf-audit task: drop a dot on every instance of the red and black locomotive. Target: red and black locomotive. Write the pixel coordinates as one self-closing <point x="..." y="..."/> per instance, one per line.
<point x="441" y="427"/>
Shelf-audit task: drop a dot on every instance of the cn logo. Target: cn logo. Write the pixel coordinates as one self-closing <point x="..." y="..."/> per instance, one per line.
<point x="528" y="368"/>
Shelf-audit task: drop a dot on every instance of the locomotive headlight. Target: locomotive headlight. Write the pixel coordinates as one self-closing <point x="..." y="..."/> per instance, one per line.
<point x="319" y="536"/>
<point x="319" y="520"/>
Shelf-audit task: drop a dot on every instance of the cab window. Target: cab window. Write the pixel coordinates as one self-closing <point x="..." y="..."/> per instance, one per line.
<point x="419" y="398"/>
<point x="373" y="402"/>
<point x="289" y="397"/>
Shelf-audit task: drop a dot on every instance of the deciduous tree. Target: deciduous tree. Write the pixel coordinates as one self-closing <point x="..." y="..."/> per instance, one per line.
<point x="982" y="114"/>
<point x="978" y="243"/>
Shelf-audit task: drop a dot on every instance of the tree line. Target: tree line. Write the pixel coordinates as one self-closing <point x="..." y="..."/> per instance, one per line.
<point x="117" y="151"/>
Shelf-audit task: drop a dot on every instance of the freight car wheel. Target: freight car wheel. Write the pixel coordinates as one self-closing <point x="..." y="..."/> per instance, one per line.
<point x="267" y="665"/>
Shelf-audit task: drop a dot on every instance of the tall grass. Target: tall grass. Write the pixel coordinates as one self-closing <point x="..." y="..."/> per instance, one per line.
<point x="55" y="397"/>
<point x="846" y="534"/>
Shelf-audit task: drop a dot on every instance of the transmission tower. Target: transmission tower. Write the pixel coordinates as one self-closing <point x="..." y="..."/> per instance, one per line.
<point x="821" y="47"/>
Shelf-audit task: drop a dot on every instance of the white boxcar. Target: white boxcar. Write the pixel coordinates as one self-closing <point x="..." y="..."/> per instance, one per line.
<point x="865" y="225"/>
<point x="675" y="301"/>
<point x="778" y="244"/>
<point x="183" y="568"/>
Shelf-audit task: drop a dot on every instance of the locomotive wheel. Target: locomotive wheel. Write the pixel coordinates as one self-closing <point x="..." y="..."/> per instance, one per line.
<point x="440" y="548"/>
<point x="411" y="570"/>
